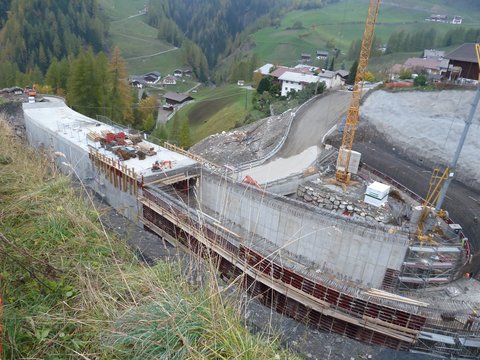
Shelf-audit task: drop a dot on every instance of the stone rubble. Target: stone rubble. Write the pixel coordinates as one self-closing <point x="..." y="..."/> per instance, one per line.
<point x="345" y="205"/>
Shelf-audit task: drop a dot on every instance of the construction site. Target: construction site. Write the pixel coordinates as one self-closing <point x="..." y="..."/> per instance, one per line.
<point x="339" y="245"/>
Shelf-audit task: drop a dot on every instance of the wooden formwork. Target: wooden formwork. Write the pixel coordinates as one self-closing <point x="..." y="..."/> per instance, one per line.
<point x="118" y="174"/>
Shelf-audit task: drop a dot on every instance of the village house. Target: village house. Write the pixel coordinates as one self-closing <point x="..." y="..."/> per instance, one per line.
<point x="332" y="79"/>
<point x="465" y="59"/>
<point x="178" y="72"/>
<point x="434" y="66"/>
<point x="295" y="81"/>
<point x="170" y="80"/>
<point x="265" y="69"/>
<point x="322" y="55"/>
<point x="174" y="99"/>
<point x="305" y="58"/>
<point x="457" y="20"/>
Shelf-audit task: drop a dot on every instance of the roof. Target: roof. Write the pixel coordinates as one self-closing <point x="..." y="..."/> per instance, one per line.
<point x="343" y="73"/>
<point x="265" y="69"/>
<point x="298" y="77"/>
<point x="432" y="53"/>
<point x="153" y="73"/>
<point x="430" y="63"/>
<point x="466" y="53"/>
<point x="280" y="71"/>
<point x="169" y="78"/>
<point x="322" y="53"/>
<point x="306" y="55"/>
<point x="327" y="74"/>
<point x="177" y="97"/>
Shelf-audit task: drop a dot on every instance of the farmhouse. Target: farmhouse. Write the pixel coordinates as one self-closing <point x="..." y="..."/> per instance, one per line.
<point x="332" y="79"/>
<point x="295" y="81"/>
<point x="265" y="69"/>
<point x="305" y="58"/>
<point x="433" y="66"/>
<point x="173" y="99"/>
<point x="457" y="20"/>
<point x="170" y="80"/>
<point x="178" y="72"/>
<point x="438" y="18"/>
<point x="322" y="55"/>
<point x="433" y="53"/>
<point x="465" y="57"/>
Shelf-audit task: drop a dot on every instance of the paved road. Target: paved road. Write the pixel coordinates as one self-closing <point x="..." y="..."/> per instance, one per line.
<point x="302" y="146"/>
<point x="310" y="127"/>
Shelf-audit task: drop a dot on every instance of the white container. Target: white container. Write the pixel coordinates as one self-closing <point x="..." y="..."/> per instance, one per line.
<point x="377" y="194"/>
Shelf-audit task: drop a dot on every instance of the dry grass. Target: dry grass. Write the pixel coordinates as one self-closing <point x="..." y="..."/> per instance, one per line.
<point x="72" y="290"/>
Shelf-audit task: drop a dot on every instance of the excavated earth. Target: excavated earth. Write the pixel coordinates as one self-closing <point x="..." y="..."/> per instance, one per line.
<point x="247" y="143"/>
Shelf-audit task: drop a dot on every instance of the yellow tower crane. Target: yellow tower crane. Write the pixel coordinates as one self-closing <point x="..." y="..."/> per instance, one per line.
<point x="342" y="174"/>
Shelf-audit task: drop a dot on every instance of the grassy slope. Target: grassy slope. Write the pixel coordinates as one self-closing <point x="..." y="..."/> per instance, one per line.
<point x="136" y="38"/>
<point x="215" y="110"/>
<point x="71" y="290"/>
<point x="344" y="22"/>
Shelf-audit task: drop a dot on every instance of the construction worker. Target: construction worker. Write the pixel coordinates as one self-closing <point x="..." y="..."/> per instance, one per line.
<point x="471" y="319"/>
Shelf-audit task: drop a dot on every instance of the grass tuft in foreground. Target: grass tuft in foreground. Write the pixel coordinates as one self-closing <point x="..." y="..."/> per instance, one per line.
<point x="73" y="291"/>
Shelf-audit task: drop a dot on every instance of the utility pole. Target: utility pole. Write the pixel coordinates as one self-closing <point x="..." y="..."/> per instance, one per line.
<point x="246" y="94"/>
<point x="468" y="122"/>
<point x="454" y="162"/>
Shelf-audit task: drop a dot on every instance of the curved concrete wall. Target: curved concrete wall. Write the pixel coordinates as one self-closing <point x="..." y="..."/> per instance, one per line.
<point x="335" y="244"/>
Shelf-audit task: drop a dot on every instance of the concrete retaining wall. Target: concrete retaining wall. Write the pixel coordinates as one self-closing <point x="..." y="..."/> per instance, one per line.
<point x="336" y="244"/>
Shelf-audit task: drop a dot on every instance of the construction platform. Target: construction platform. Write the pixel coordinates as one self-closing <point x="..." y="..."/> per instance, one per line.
<point x="328" y="260"/>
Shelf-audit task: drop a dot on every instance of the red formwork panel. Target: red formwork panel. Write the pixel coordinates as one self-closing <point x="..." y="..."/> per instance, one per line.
<point x="345" y="302"/>
<point x="307" y="286"/>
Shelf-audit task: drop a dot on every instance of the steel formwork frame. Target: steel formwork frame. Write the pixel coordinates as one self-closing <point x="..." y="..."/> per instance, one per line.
<point x="429" y="265"/>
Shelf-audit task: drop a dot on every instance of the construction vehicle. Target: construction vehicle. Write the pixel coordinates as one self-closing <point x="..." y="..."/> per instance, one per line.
<point x="30" y="91"/>
<point x="343" y="174"/>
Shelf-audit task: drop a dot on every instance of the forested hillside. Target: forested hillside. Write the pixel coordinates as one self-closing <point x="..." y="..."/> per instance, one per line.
<point x="214" y="25"/>
<point x="38" y="31"/>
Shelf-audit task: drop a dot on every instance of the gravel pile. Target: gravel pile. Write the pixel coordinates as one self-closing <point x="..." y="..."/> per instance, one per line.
<point x="427" y="127"/>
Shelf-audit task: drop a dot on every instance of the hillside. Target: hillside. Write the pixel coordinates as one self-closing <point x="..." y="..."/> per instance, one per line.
<point x="72" y="289"/>
<point x="339" y="24"/>
<point x="36" y="32"/>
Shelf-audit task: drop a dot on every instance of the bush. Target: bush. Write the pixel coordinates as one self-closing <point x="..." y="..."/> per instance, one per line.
<point x="420" y="80"/>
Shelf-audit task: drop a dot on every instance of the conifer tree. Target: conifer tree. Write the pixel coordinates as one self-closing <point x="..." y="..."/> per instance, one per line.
<point x="120" y="96"/>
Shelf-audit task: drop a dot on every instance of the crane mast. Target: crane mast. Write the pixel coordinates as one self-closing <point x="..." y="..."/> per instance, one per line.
<point x="342" y="173"/>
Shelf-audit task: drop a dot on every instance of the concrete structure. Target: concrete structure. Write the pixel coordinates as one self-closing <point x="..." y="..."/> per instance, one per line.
<point x="316" y="263"/>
